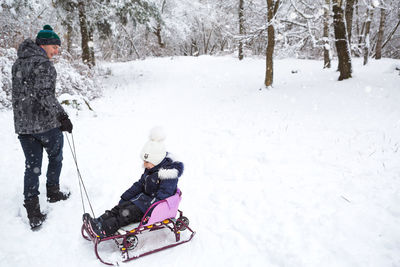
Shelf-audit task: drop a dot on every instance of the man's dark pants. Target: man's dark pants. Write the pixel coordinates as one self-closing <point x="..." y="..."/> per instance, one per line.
<point x="32" y="145"/>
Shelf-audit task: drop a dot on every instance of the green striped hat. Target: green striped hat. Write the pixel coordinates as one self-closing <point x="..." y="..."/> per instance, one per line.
<point x="47" y="37"/>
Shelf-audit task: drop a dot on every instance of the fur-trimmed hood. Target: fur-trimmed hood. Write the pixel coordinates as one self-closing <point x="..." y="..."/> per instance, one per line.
<point x="169" y="168"/>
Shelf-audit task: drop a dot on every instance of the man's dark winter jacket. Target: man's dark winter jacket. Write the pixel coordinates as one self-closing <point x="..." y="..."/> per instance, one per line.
<point x="33" y="91"/>
<point x="155" y="184"/>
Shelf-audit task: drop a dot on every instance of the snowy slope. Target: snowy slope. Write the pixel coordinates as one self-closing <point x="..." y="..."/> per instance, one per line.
<point x="305" y="174"/>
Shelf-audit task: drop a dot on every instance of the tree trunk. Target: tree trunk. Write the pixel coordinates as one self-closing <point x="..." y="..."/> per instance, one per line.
<point x="194" y="48"/>
<point x="359" y="33"/>
<point x="349" y="18"/>
<point x="380" y="34"/>
<point x="69" y="38"/>
<point x="206" y="40"/>
<point x="241" y="28"/>
<point x="341" y="42"/>
<point x="157" y="32"/>
<point x="391" y="34"/>
<point x="91" y="47"/>
<point x="84" y="33"/>
<point x="269" y="73"/>
<point x="366" y="36"/>
<point x="327" y="48"/>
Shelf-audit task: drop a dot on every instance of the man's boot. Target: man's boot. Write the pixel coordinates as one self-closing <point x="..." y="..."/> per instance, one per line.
<point x="36" y="218"/>
<point x="54" y="194"/>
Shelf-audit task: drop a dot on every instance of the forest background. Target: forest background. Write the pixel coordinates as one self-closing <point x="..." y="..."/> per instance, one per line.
<point x="123" y="30"/>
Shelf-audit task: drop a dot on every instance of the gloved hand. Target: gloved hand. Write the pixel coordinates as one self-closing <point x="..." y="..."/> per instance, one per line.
<point x="66" y="124"/>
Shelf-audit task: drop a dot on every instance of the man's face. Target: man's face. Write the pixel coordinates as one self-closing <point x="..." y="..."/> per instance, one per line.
<point x="51" y="50"/>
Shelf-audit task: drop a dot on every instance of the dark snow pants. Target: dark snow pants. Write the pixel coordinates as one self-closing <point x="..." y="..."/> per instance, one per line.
<point x="123" y="214"/>
<point x="32" y="145"/>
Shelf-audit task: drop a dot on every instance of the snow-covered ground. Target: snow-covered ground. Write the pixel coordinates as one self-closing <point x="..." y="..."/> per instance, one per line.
<point x="304" y="174"/>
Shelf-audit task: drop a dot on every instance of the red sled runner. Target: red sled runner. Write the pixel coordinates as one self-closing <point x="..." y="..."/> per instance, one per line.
<point x="126" y="239"/>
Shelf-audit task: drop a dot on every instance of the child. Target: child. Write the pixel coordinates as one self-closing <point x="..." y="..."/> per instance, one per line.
<point x="159" y="181"/>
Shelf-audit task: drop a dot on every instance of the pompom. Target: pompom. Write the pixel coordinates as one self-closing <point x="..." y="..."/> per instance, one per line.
<point x="47" y="27"/>
<point x="157" y="134"/>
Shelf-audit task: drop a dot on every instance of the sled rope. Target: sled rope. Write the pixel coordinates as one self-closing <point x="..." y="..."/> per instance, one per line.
<point x="80" y="180"/>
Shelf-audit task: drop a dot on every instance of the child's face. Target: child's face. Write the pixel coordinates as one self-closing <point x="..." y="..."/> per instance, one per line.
<point x="148" y="165"/>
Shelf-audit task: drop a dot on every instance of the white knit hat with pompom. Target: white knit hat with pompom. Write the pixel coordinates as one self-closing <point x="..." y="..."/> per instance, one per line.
<point x="154" y="150"/>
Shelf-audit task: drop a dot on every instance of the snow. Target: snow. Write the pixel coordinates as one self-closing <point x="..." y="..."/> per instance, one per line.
<point x="375" y="3"/>
<point x="304" y="174"/>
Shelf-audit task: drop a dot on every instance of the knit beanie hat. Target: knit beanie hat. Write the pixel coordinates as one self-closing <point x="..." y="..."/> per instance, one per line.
<point x="47" y="37"/>
<point x="154" y="150"/>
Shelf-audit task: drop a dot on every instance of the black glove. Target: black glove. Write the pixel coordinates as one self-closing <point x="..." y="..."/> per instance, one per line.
<point x="66" y="124"/>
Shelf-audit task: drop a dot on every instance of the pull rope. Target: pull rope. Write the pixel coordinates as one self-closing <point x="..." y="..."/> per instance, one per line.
<point x="80" y="180"/>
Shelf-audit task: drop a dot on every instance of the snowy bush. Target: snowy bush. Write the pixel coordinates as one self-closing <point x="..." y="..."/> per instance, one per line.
<point x="76" y="82"/>
<point x="7" y="58"/>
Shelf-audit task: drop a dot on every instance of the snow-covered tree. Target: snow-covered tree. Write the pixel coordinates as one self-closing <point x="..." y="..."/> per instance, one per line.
<point x="366" y="49"/>
<point x="349" y="11"/>
<point x="326" y="35"/>
<point x="241" y="27"/>
<point x="272" y="6"/>
<point x="342" y="46"/>
<point x="381" y="32"/>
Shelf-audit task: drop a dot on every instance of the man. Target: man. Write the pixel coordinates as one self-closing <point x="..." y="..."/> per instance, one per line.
<point x="39" y="119"/>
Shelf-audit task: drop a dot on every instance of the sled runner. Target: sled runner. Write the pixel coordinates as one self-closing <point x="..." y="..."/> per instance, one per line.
<point x="163" y="216"/>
